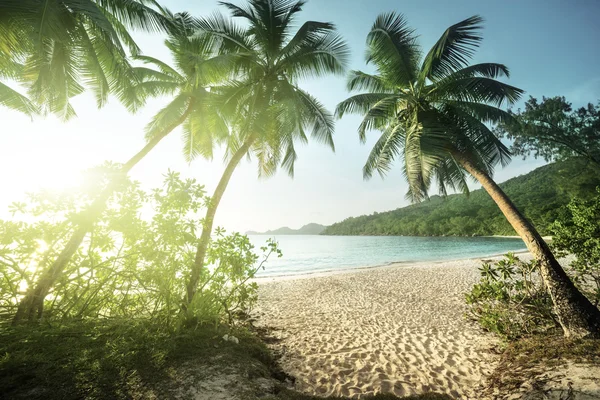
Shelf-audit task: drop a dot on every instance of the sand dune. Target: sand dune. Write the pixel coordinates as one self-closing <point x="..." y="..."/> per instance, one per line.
<point x="399" y="329"/>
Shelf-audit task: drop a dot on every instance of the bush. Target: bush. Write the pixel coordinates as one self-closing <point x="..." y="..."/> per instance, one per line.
<point x="577" y="232"/>
<point x="511" y="299"/>
<point x="134" y="263"/>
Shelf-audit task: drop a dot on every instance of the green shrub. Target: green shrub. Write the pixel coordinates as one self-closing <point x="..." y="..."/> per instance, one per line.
<point x="511" y="300"/>
<point x="577" y="232"/>
<point x="136" y="260"/>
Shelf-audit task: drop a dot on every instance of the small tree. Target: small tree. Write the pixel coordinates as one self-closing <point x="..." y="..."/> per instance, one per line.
<point x="553" y="130"/>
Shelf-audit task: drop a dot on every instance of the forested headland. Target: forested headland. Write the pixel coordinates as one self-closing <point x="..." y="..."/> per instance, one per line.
<point x="540" y="194"/>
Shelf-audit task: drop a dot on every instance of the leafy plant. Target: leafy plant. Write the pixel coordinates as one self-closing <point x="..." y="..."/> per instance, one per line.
<point x="511" y="300"/>
<point x="136" y="260"/>
<point x="553" y="130"/>
<point x="577" y="232"/>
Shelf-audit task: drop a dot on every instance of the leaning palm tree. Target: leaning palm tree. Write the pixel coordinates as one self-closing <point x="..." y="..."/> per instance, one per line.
<point x="433" y="113"/>
<point x="269" y="111"/>
<point x="56" y="49"/>
<point x="193" y="106"/>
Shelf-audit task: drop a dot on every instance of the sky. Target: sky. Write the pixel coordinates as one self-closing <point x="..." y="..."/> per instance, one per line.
<point x="550" y="47"/>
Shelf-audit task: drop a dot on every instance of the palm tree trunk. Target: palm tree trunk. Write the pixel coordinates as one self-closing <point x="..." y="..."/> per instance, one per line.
<point x="576" y="314"/>
<point x="210" y="217"/>
<point x="31" y="306"/>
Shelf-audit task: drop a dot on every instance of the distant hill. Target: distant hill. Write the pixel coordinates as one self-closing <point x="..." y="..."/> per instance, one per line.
<point x="540" y="194"/>
<point x="309" y="229"/>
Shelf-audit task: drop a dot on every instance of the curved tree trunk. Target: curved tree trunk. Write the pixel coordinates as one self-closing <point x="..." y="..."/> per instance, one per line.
<point x="31" y="306"/>
<point x="576" y="314"/>
<point x="209" y="220"/>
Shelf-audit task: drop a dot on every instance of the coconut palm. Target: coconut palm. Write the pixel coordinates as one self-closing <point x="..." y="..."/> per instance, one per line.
<point x="56" y="48"/>
<point x="433" y="113"/>
<point x="270" y="112"/>
<point x="193" y="105"/>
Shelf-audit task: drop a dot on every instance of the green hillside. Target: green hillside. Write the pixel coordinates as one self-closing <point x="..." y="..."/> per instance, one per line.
<point x="539" y="194"/>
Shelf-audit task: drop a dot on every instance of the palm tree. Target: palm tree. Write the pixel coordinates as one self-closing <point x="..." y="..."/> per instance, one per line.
<point x="56" y="48"/>
<point x="433" y="112"/>
<point x="12" y="70"/>
<point x="193" y="106"/>
<point x="269" y="110"/>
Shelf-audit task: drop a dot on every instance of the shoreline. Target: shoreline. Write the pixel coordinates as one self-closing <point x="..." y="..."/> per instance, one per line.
<point x="391" y="264"/>
<point x="398" y="328"/>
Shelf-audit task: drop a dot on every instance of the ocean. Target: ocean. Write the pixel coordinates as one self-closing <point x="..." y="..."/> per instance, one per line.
<point x="305" y="254"/>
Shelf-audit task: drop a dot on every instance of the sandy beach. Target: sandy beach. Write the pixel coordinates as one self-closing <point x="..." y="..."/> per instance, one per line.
<point x="396" y="329"/>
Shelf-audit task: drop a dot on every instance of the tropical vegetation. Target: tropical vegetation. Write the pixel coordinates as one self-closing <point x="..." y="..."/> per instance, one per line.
<point x="115" y="291"/>
<point x="576" y="232"/>
<point x="270" y="111"/>
<point x="553" y="130"/>
<point x="433" y="112"/>
<point x="510" y="299"/>
<point x="128" y="266"/>
<point x="539" y="194"/>
<point x="192" y="106"/>
<point x="57" y="49"/>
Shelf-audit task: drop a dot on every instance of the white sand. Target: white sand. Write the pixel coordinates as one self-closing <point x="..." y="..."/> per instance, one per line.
<point x="398" y="329"/>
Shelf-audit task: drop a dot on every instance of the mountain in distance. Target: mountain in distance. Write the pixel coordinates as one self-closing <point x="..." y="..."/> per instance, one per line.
<point x="308" y="229"/>
<point x="539" y="194"/>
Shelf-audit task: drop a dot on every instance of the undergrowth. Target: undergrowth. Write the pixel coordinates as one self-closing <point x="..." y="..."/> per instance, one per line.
<point x="523" y="359"/>
<point x="138" y="359"/>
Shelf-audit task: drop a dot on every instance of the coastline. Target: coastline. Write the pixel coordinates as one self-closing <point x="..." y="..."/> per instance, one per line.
<point x="393" y="264"/>
<point x="397" y="329"/>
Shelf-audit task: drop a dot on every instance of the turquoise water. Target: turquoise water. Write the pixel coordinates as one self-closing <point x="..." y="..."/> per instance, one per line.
<point x="307" y="253"/>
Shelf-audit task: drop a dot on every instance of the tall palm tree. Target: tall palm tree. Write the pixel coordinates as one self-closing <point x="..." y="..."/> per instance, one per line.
<point x="270" y="112"/>
<point x="193" y="106"/>
<point x="433" y="112"/>
<point x="56" y="48"/>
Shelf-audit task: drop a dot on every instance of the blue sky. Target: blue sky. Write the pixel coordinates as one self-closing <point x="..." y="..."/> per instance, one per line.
<point x="549" y="46"/>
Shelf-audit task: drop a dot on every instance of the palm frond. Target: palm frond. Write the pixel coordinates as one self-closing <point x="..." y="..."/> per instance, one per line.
<point x="365" y="102"/>
<point x="393" y="49"/>
<point x="485" y="70"/>
<point x="320" y="120"/>
<point x="484" y="112"/>
<point x="203" y="130"/>
<point x="453" y="50"/>
<point x="449" y="173"/>
<point x="326" y="56"/>
<point x="358" y="80"/>
<point x="309" y="33"/>
<point x="289" y="159"/>
<point x="384" y="152"/>
<point x="166" y="119"/>
<point x="227" y="36"/>
<point x="161" y="65"/>
<point x="16" y="101"/>
<point x="144" y="15"/>
<point x="478" y="89"/>
<point x="477" y="139"/>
